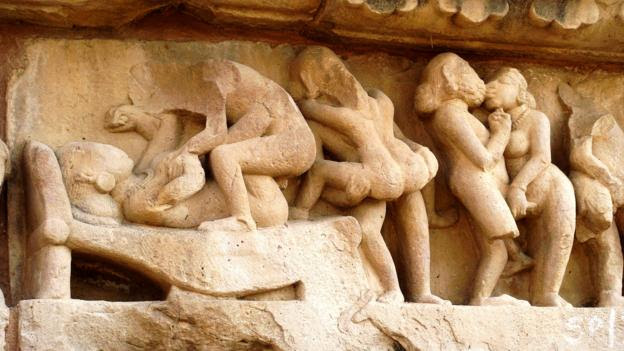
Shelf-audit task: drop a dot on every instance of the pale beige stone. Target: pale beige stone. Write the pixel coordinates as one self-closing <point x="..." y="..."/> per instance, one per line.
<point x="449" y="86"/>
<point x="267" y="137"/>
<point x="63" y="229"/>
<point x="538" y="190"/>
<point x="113" y="171"/>
<point x="597" y="176"/>
<point x="39" y="110"/>
<point x="448" y="89"/>
<point x="374" y="164"/>
<point x="337" y="311"/>
<point x="472" y="13"/>
<point x="189" y="321"/>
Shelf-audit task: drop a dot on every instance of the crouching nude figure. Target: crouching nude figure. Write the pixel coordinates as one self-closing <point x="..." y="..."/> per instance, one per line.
<point x="597" y="173"/>
<point x="268" y="137"/>
<point x="371" y="166"/>
<point x="539" y="192"/>
<point x="477" y="174"/>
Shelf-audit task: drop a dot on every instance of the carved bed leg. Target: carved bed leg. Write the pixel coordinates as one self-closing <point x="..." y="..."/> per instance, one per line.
<point x="50" y="271"/>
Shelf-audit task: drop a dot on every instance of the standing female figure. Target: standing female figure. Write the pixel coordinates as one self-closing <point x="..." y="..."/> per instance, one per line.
<point x="538" y="191"/>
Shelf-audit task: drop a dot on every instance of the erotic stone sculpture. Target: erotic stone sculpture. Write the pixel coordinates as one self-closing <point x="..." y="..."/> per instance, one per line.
<point x="268" y="136"/>
<point x="477" y="174"/>
<point x="538" y="191"/>
<point x="597" y="173"/>
<point x="372" y="165"/>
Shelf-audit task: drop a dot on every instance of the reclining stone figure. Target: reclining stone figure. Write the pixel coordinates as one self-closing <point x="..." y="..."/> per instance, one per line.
<point x="103" y="190"/>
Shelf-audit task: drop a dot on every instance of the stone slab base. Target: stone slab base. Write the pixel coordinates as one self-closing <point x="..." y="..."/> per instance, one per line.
<point x="189" y="321"/>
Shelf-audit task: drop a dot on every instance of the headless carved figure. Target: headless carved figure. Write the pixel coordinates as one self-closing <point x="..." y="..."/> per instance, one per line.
<point x="358" y="130"/>
<point x="597" y="175"/>
<point x="539" y="191"/>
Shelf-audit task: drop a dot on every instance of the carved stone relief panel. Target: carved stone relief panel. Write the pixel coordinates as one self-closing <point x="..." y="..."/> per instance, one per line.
<point x="265" y="185"/>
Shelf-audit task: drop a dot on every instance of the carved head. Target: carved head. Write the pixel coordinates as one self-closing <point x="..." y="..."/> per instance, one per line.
<point x="122" y="118"/>
<point x="508" y="89"/>
<point x="96" y="165"/>
<point x="448" y="77"/>
<point x="318" y="71"/>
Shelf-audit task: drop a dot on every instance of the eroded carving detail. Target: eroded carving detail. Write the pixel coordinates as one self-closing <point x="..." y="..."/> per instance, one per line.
<point x="473" y="12"/>
<point x="568" y="14"/>
<point x="597" y="174"/>
<point x="384" y="6"/>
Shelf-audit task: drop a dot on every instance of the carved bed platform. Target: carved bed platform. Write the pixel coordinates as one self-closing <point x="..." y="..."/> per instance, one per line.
<point x="217" y="264"/>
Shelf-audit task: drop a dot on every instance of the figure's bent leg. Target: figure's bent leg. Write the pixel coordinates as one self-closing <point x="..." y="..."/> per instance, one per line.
<point x="267" y="202"/>
<point x="486" y="205"/>
<point x="225" y="162"/>
<point x="351" y="178"/>
<point x="414" y="231"/>
<point x="593" y="203"/>
<point x="287" y="154"/>
<point x="518" y="260"/>
<point x="371" y="214"/>
<point x="447" y="218"/>
<point x="607" y="267"/>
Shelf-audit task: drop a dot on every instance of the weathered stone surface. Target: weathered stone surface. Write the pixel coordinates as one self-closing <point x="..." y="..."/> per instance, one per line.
<point x="67" y="13"/>
<point x="190" y="321"/>
<point x="95" y="76"/>
<point x="298" y="286"/>
<point x="522" y="28"/>
<point x="418" y="327"/>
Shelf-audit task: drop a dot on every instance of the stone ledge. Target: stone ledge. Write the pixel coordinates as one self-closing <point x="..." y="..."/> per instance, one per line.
<point x="192" y="321"/>
<point x="433" y="25"/>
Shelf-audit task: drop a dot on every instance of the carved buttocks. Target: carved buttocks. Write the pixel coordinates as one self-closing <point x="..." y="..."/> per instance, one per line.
<point x="238" y="195"/>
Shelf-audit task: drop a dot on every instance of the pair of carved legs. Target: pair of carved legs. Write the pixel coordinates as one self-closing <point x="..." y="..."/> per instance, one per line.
<point x="551" y="226"/>
<point x="597" y="229"/>
<point x="413" y="231"/>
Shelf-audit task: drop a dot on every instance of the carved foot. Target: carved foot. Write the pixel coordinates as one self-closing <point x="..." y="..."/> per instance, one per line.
<point x="443" y="219"/>
<point x="551" y="300"/>
<point x="503" y="300"/>
<point x="431" y="299"/>
<point x="610" y="298"/>
<point x="391" y="296"/>
<point x="516" y="266"/>
<point x="298" y="213"/>
<point x="229" y="224"/>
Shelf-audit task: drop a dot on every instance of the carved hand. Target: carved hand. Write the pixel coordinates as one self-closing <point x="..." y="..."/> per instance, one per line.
<point x="517" y="201"/>
<point x="616" y="189"/>
<point x="123" y="118"/>
<point x="499" y="121"/>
